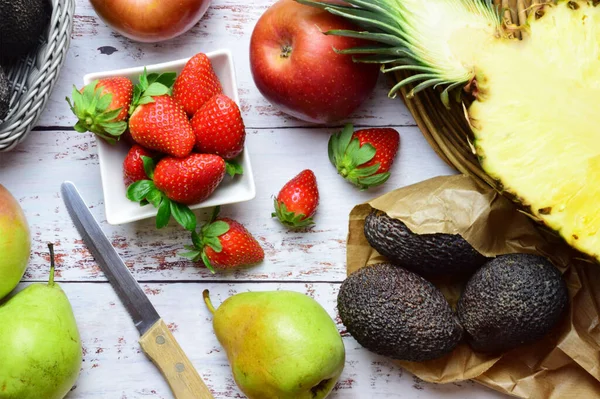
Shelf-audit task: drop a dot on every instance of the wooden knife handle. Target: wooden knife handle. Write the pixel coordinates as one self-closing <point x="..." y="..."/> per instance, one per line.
<point x="164" y="351"/>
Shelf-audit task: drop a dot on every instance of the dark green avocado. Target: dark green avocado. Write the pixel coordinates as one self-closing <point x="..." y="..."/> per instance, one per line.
<point x="21" y="24"/>
<point x="4" y="94"/>
<point x="397" y="313"/>
<point x="430" y="255"/>
<point x="511" y="301"/>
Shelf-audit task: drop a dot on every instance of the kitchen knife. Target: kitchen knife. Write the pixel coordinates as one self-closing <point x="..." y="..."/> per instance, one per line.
<point x="156" y="340"/>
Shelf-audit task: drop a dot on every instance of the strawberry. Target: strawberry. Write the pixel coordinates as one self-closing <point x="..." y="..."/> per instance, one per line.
<point x="298" y="200"/>
<point x="219" y="127"/>
<point x="364" y="157"/>
<point x="224" y="243"/>
<point x="189" y="180"/>
<point x="196" y="84"/>
<point x="163" y="126"/>
<point x="175" y="183"/>
<point x="133" y="165"/>
<point x="102" y="107"/>
<point x="157" y="121"/>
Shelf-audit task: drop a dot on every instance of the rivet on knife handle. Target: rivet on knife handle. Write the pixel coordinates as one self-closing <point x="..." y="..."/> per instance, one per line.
<point x="164" y="351"/>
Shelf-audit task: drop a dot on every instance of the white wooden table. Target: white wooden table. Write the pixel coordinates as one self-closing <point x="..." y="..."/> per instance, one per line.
<point x="310" y="262"/>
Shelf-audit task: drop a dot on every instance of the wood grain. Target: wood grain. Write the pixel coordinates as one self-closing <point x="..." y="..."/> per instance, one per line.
<point x="162" y="348"/>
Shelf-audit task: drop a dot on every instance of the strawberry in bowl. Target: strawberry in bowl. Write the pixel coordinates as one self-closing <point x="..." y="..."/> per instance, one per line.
<point x="159" y="120"/>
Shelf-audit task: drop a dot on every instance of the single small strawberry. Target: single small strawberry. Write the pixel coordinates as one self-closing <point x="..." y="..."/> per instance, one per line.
<point x="298" y="200"/>
<point x="163" y="126"/>
<point x="157" y="121"/>
<point x="196" y="84"/>
<point x="174" y="183"/>
<point x="224" y="243"/>
<point x="102" y="107"/>
<point x="364" y="157"/>
<point x="189" y="180"/>
<point x="133" y="165"/>
<point x="219" y="127"/>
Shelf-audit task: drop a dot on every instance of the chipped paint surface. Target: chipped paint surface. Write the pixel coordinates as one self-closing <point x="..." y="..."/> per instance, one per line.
<point x="310" y="261"/>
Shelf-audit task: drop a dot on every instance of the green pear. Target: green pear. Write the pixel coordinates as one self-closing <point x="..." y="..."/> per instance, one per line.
<point x="40" y="347"/>
<point x="15" y="242"/>
<point x="280" y="344"/>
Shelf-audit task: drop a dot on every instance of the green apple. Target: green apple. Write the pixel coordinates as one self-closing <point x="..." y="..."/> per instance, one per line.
<point x="280" y="344"/>
<point x="15" y="242"/>
<point x="40" y="346"/>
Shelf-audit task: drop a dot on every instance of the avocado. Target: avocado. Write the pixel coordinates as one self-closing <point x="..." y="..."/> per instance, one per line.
<point x="4" y="94"/>
<point x="430" y="255"/>
<point x="21" y="24"/>
<point x="396" y="313"/>
<point x="511" y="301"/>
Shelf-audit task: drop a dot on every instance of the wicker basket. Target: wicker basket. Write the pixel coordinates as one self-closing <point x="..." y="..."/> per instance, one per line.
<point x="33" y="77"/>
<point x="447" y="130"/>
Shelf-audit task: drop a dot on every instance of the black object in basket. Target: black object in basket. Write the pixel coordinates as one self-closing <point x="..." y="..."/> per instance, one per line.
<point x="33" y="76"/>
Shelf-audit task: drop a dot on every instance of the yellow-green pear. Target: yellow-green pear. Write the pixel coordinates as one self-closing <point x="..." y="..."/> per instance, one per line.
<point x="15" y="242"/>
<point x="40" y="347"/>
<point x="280" y="344"/>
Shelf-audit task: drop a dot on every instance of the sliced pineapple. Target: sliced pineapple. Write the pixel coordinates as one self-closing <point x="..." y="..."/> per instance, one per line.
<point x="535" y="116"/>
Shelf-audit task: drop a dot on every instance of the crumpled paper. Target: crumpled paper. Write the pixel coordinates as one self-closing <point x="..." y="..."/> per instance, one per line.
<point x="565" y="363"/>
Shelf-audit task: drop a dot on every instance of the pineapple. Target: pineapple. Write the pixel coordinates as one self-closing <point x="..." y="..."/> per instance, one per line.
<point x="534" y="117"/>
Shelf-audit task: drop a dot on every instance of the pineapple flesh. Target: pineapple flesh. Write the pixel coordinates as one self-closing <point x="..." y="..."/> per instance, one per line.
<point x="534" y="118"/>
<point x="537" y="126"/>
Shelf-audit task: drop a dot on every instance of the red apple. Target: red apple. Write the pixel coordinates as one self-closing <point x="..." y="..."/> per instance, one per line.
<point x="150" y="20"/>
<point x="296" y="69"/>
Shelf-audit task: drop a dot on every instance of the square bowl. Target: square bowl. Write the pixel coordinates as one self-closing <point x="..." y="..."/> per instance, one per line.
<point x="118" y="208"/>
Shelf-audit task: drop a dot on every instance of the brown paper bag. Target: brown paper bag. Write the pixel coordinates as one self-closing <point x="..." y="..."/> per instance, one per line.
<point x="565" y="363"/>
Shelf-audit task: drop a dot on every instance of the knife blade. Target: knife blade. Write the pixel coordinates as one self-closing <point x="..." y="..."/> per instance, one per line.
<point x="156" y="339"/>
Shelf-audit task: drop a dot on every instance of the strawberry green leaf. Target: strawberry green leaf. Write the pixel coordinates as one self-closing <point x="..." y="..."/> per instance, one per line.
<point x="151" y="77"/>
<point x="164" y="213"/>
<point x="214" y="243"/>
<point x="197" y="240"/>
<point x="214" y="214"/>
<point x="344" y="139"/>
<point x="331" y="145"/>
<point x="289" y="218"/>
<point x="144" y="202"/>
<point x="145" y="100"/>
<point x="156" y="89"/>
<point x="192" y="255"/>
<point x="206" y="262"/>
<point x="374" y="180"/>
<point x="167" y="79"/>
<point x="363" y="154"/>
<point x="103" y="104"/>
<point x="216" y="229"/>
<point x="144" y="80"/>
<point x="183" y="215"/>
<point x="233" y="168"/>
<point x="80" y="127"/>
<point x="138" y="190"/>
<point x="149" y="166"/>
<point x="110" y="115"/>
<point x="115" y="128"/>
<point x="154" y="197"/>
<point x="363" y="172"/>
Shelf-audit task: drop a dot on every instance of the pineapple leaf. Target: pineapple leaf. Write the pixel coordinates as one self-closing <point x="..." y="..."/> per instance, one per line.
<point x="377" y="37"/>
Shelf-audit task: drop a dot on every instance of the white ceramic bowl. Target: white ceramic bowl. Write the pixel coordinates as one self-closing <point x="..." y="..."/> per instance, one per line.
<point x="121" y="210"/>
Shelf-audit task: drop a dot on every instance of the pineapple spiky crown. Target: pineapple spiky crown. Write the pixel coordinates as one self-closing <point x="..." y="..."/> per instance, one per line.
<point x="414" y="35"/>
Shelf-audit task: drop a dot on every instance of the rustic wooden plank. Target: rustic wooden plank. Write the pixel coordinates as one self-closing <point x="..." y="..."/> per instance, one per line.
<point x="36" y="169"/>
<point x="115" y="367"/>
<point x="227" y="24"/>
